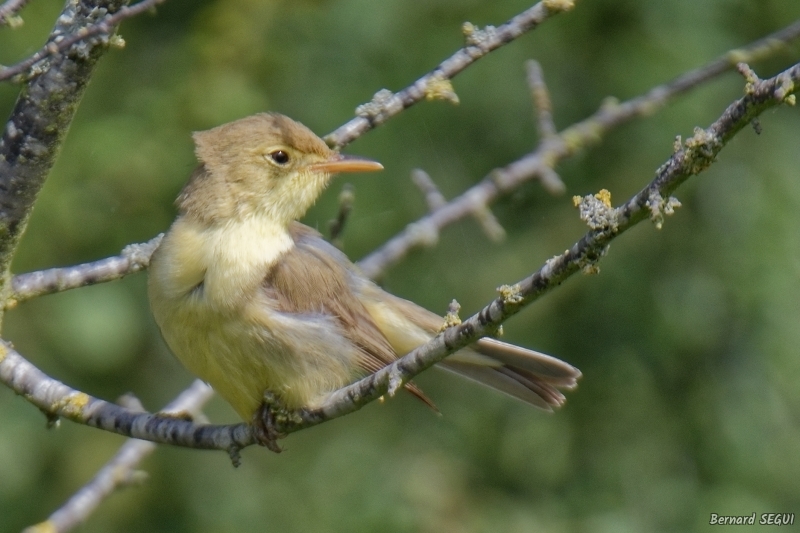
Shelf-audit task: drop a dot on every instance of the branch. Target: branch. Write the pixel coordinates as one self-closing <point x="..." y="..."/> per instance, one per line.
<point x="9" y="10"/>
<point x="569" y="141"/>
<point x="58" y="43"/>
<point x="606" y="223"/>
<point x="40" y="119"/>
<point x="56" y="399"/>
<point x="556" y="147"/>
<point x="117" y="472"/>
<point x="134" y="257"/>
<point x="385" y="105"/>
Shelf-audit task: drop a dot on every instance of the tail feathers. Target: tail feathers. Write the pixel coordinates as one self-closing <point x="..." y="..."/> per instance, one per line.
<point x="544" y="367"/>
<point x="531" y="391"/>
<point x="533" y="377"/>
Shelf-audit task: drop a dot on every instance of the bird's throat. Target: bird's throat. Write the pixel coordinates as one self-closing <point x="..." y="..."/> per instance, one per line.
<point x="230" y="260"/>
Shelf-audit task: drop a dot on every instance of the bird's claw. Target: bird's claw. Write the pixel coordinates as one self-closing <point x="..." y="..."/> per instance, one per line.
<point x="271" y="416"/>
<point x="264" y="429"/>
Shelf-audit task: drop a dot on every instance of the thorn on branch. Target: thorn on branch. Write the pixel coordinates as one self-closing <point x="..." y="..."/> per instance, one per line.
<point x="677" y="144"/>
<point x="489" y="223"/>
<point x="750" y="77"/>
<point x="451" y="318"/>
<point x="52" y="419"/>
<point x="131" y="402"/>
<point x="433" y="197"/>
<point x="336" y="226"/>
<point x="541" y="100"/>
<point x="552" y="182"/>
<point x="234" y="452"/>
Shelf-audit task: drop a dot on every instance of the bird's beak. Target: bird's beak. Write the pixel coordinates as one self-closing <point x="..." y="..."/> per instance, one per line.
<point x="346" y="163"/>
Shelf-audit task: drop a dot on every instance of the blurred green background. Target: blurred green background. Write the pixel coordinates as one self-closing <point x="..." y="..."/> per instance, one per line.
<point x="688" y="339"/>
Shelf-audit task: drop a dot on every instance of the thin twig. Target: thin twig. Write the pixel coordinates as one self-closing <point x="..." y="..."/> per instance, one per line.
<point x="106" y="27"/>
<point x="9" y="10"/>
<point x="433" y="196"/>
<point x="540" y="97"/>
<point x="479" y="43"/>
<point x="134" y="257"/>
<point x="347" y="198"/>
<point x="552" y="150"/>
<point x="118" y="472"/>
<point x="606" y="223"/>
<point x="501" y="181"/>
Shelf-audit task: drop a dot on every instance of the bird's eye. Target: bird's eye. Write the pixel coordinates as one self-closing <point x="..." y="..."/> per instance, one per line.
<point x="279" y="156"/>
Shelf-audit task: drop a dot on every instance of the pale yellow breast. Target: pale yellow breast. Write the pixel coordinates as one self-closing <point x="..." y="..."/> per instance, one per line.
<point x="204" y="288"/>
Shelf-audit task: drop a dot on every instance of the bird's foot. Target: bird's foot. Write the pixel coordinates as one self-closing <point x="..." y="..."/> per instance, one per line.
<point x="271" y="416"/>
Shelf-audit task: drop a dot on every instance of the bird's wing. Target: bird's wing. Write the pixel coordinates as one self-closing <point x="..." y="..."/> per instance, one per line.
<point x="530" y="376"/>
<point x="311" y="278"/>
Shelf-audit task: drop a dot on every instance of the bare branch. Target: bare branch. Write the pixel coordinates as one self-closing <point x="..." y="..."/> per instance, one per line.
<point x="9" y="10"/>
<point x="134" y="257"/>
<point x="38" y="123"/>
<point x="555" y="148"/>
<point x="606" y="223"/>
<point x="59" y="43"/>
<point x="58" y="400"/>
<point x="426" y="230"/>
<point x="693" y="157"/>
<point x="479" y="43"/>
<point x="541" y="100"/>
<point x="336" y="226"/>
<point x="433" y="197"/>
<point x="117" y="472"/>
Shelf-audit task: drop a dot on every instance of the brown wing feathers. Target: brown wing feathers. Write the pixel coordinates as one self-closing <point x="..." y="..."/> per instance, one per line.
<point x="527" y="375"/>
<point x="294" y="283"/>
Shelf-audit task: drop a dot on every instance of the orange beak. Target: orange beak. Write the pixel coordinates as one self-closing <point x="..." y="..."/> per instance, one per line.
<point x="346" y="163"/>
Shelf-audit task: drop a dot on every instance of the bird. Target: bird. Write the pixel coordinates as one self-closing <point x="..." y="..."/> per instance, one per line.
<point x="253" y="302"/>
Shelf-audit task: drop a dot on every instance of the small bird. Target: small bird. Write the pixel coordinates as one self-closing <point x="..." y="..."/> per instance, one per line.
<point x="253" y="302"/>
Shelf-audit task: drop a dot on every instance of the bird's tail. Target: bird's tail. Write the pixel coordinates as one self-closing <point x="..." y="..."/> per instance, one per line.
<point x="533" y="377"/>
<point x="530" y="376"/>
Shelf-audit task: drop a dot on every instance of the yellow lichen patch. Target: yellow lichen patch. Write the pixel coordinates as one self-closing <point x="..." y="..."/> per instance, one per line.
<point x="451" y="318"/>
<point x="590" y="269"/>
<point x="42" y="527"/>
<point x="72" y="405"/>
<point x="440" y="88"/>
<point x="116" y="41"/>
<point x="468" y="29"/>
<point x="510" y="294"/>
<point x="559" y="5"/>
<point x="604" y="196"/>
<point x="596" y="211"/>
<point x="790" y="100"/>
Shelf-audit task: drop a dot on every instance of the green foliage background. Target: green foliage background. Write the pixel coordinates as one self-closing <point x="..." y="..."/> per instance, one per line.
<point x="688" y="339"/>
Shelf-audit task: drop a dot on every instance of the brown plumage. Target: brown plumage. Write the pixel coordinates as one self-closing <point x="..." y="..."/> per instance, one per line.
<point x="252" y="301"/>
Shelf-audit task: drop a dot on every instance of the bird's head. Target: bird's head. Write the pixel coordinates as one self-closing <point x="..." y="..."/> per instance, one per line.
<point x="262" y="165"/>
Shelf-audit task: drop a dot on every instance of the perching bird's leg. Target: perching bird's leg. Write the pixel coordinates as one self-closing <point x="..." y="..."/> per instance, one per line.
<point x="270" y="416"/>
